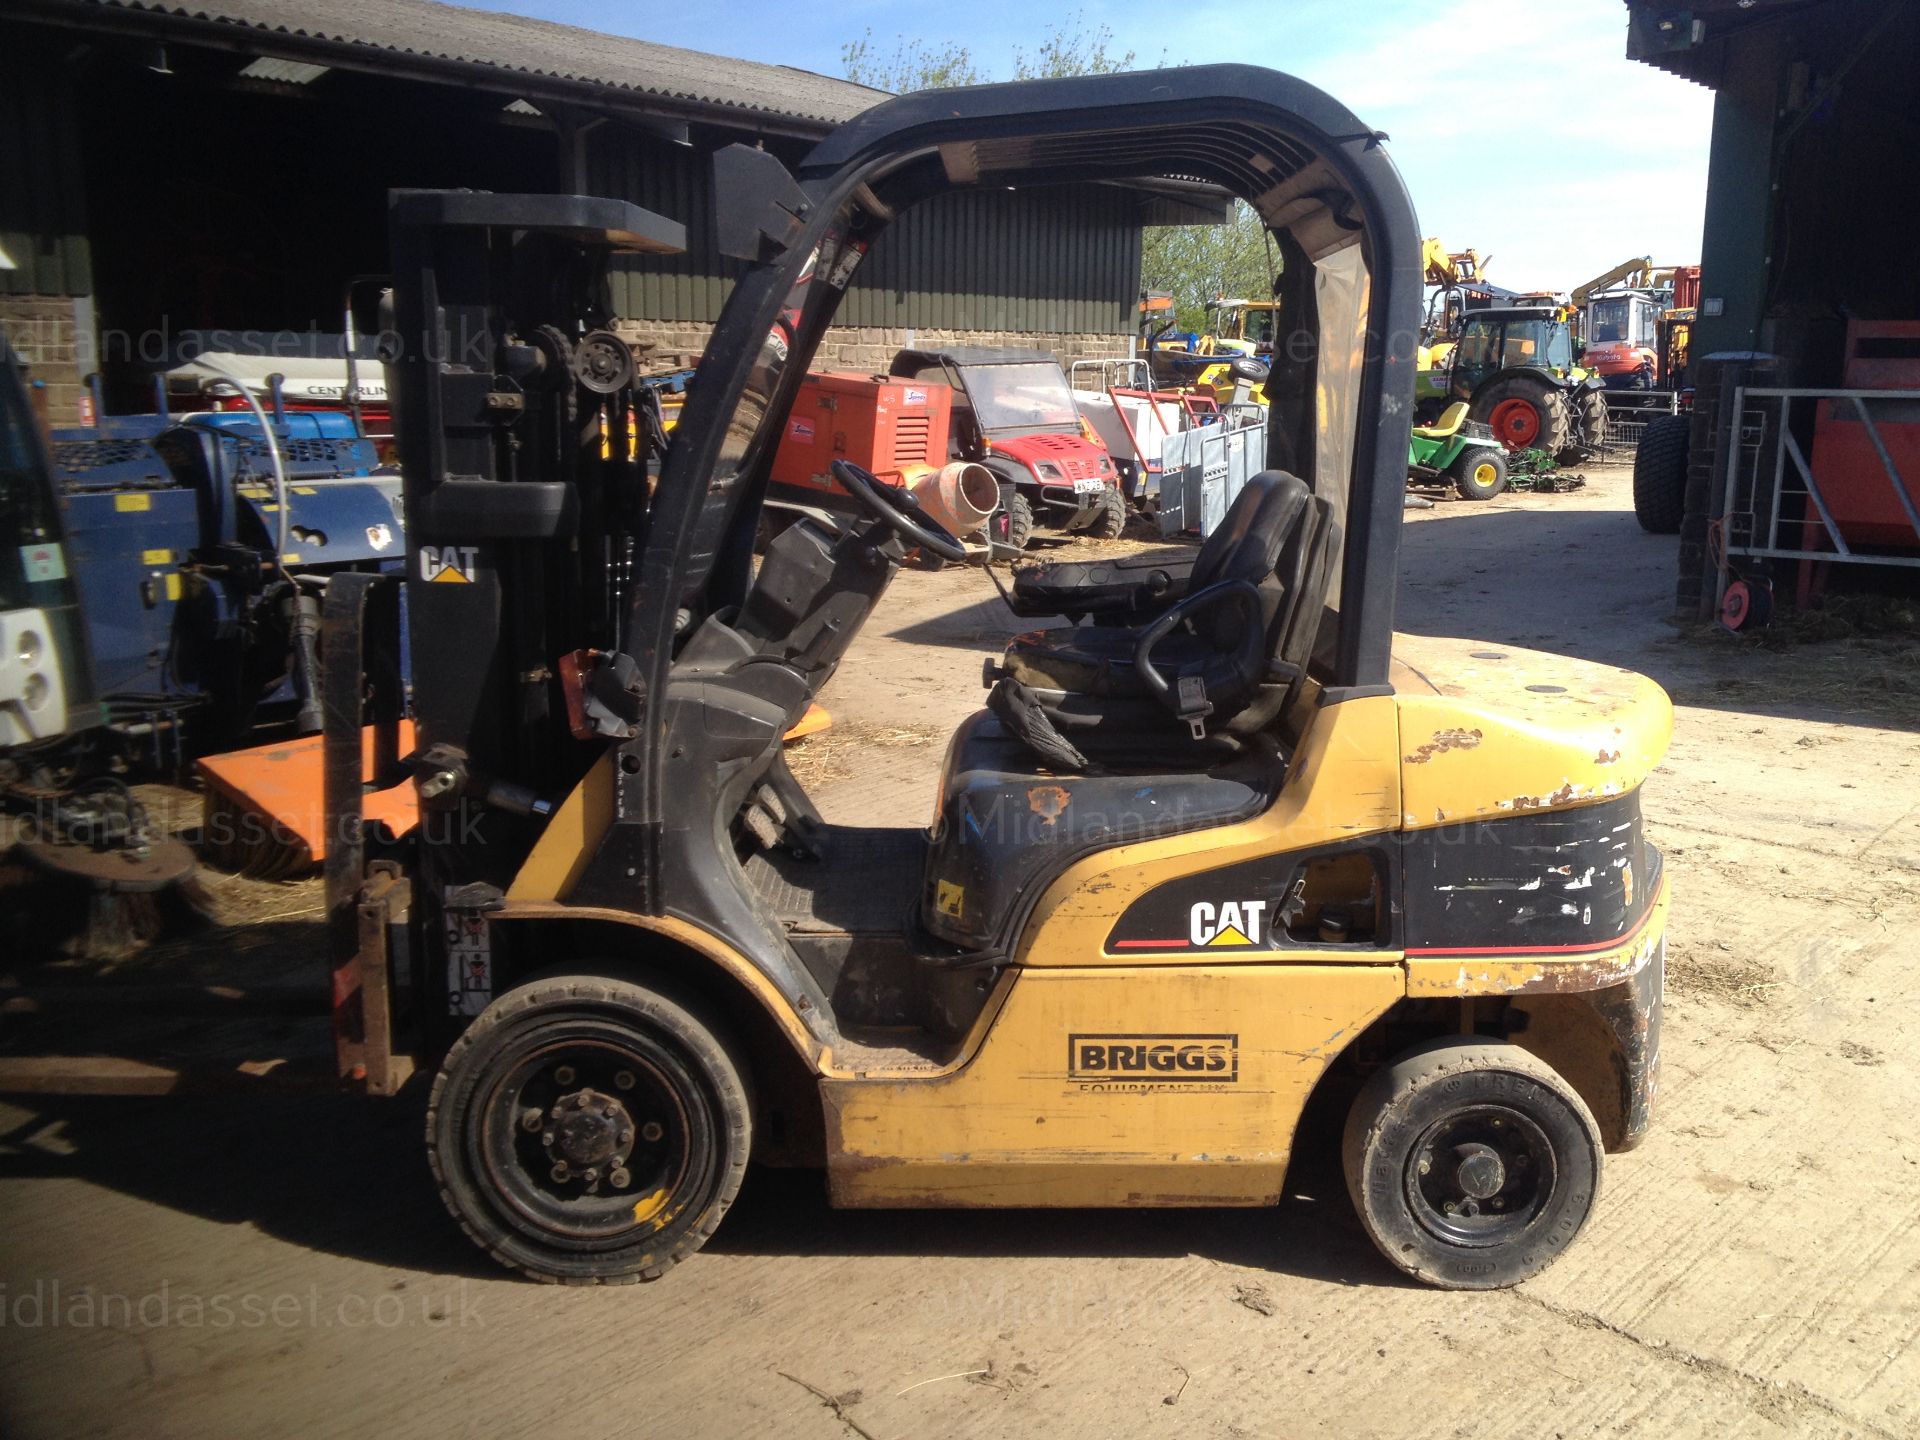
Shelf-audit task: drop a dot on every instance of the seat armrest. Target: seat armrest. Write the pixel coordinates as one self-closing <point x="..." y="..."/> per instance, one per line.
<point x="1131" y="586"/>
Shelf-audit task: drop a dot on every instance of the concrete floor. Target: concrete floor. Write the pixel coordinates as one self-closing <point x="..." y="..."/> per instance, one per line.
<point x="193" y="1268"/>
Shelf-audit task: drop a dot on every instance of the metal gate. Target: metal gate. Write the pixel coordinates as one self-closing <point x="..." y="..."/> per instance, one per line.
<point x="1204" y="467"/>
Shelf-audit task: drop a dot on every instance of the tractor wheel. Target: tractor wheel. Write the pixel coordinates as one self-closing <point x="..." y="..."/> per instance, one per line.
<point x="1012" y="528"/>
<point x="1525" y="414"/>
<point x="590" y="1130"/>
<point x="1110" y="522"/>
<point x="1591" y="409"/>
<point x="1660" y="474"/>
<point x="1471" y="1162"/>
<point x="1479" y="472"/>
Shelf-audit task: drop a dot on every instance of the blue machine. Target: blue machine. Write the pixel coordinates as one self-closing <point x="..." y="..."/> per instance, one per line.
<point x="199" y="579"/>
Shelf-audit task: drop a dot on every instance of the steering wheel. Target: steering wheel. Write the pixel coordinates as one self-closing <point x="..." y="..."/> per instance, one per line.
<point x="896" y="507"/>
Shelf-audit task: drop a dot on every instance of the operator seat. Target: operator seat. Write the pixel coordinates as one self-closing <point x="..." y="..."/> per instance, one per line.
<point x="1235" y="633"/>
<point x="1019" y="801"/>
<point x="1451" y="419"/>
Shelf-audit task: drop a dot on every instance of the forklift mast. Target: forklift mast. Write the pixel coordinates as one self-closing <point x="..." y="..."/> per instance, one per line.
<point x="525" y="493"/>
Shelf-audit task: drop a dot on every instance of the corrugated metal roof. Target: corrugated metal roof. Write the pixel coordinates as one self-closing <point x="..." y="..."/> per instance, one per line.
<point x="455" y="36"/>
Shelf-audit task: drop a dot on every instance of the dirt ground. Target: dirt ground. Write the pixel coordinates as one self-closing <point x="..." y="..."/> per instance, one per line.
<point x="195" y="1268"/>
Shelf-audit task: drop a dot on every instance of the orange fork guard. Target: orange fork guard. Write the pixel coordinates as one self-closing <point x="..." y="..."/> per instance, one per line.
<point x="282" y="783"/>
<point x="811" y="723"/>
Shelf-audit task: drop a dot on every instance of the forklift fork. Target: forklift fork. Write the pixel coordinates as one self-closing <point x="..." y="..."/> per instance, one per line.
<point x="368" y="907"/>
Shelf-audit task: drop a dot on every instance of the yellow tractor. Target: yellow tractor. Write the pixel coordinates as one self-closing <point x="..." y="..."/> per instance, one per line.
<point x="1210" y="852"/>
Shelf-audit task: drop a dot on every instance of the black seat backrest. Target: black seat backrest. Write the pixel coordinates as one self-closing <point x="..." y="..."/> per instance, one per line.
<point x="1302" y="573"/>
<point x="1251" y="535"/>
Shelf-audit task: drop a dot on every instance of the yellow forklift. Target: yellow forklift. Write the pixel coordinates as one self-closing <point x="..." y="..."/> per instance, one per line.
<point x="1207" y="845"/>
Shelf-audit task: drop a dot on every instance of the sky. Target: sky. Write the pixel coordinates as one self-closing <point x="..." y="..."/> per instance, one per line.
<point x="1520" y="126"/>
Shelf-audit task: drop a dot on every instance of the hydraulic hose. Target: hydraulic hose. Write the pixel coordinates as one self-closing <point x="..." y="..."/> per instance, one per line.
<point x="273" y="453"/>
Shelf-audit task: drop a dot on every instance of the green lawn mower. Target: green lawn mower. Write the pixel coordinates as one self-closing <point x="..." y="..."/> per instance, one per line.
<point x="1458" y="451"/>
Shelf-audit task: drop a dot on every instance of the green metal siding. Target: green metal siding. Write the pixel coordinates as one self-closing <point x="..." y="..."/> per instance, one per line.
<point x="42" y="199"/>
<point x="675" y="181"/>
<point x="1058" y="261"/>
<point x="1740" y="198"/>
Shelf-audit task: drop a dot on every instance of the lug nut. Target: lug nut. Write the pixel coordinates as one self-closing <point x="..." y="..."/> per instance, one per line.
<point x="560" y="1171"/>
<point x="624" y="1080"/>
<point x="563" y="1075"/>
<point x="652" y="1131"/>
<point x="591" y="1177"/>
<point x="625" y="1137"/>
<point x="619" y="1179"/>
<point x="530" y="1119"/>
<point x="546" y="1137"/>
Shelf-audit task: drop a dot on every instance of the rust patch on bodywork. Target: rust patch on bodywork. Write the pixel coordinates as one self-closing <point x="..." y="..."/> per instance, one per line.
<point x="1048" y="801"/>
<point x="1443" y="741"/>
<point x="1567" y="794"/>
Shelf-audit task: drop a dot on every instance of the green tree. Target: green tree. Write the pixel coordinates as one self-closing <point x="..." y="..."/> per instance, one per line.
<point x="913" y="65"/>
<point x="1196" y="263"/>
<point x="1073" y="48"/>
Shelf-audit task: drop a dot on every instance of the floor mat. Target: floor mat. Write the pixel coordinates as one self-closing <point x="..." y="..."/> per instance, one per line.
<point x="867" y="882"/>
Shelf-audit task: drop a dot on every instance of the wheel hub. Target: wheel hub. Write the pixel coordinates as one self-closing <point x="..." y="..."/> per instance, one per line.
<point x="1515" y="422"/>
<point x="1479" y="1171"/>
<point x="1480" y="1175"/>
<point x="589" y="1128"/>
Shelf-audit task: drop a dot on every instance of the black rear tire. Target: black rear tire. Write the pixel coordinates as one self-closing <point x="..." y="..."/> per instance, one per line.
<point x="1660" y="474"/>
<point x="1553" y="425"/>
<point x="1472" y="1164"/>
<point x="634" y="1085"/>
<point x="1469" y="472"/>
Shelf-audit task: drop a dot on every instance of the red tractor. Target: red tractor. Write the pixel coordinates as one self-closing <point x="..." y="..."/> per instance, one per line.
<point x="1013" y="412"/>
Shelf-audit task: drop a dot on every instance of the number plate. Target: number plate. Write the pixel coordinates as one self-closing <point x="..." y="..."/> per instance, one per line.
<point x="1091" y="486"/>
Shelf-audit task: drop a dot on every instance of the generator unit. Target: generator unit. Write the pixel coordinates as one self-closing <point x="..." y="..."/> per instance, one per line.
<point x="895" y="428"/>
<point x="200" y="566"/>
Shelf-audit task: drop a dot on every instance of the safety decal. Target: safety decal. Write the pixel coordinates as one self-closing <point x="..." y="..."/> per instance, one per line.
<point x="950" y="899"/>
<point x="44" y="562"/>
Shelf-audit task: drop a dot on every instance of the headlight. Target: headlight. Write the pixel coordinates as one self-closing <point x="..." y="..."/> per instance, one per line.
<point x="30" y="648"/>
<point x="36" y="690"/>
<point x="1047" y="470"/>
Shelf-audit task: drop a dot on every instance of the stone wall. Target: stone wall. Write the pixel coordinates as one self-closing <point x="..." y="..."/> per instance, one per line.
<point x="43" y="332"/>
<point x="871" y="348"/>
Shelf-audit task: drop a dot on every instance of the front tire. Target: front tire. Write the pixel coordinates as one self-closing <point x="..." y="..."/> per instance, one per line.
<point x="1591" y="409"/>
<point x="1472" y="1164"/>
<point x="1110" y="522"/>
<point x="1479" y="472"/>
<point x="1012" y="528"/>
<point x="589" y="1130"/>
